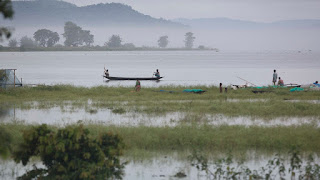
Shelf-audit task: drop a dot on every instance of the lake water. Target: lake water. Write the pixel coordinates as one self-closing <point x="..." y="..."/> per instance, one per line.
<point x="165" y="167"/>
<point x="177" y="67"/>
<point x="67" y="115"/>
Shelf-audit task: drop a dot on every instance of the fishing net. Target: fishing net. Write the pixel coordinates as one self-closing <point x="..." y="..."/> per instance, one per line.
<point x="8" y="79"/>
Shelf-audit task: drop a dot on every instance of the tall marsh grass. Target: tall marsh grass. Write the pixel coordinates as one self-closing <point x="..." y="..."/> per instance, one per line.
<point x="204" y="138"/>
<point x="69" y="92"/>
<point x="240" y="102"/>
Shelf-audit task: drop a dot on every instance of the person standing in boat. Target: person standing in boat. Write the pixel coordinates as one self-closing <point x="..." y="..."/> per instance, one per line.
<point x="280" y="82"/>
<point x="275" y="76"/>
<point x="106" y="72"/>
<point x="138" y="86"/>
<point x="157" y="74"/>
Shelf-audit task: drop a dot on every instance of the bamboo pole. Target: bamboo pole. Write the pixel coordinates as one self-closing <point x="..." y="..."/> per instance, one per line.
<point x="14" y="78"/>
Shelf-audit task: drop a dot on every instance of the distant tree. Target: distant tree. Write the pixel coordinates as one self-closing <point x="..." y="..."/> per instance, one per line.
<point x="46" y="37"/>
<point x="75" y="36"/>
<point x="58" y="45"/>
<point x="114" y="41"/>
<point x="202" y="47"/>
<point x="163" y="41"/>
<point x="71" y="33"/>
<point x="189" y="39"/>
<point x="87" y="37"/>
<point x="129" y="46"/>
<point x="53" y="40"/>
<point x="13" y="43"/>
<point x="7" y="11"/>
<point x="27" y="42"/>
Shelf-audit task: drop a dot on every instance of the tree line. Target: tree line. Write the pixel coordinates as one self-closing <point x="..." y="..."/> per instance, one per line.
<point x="75" y="36"/>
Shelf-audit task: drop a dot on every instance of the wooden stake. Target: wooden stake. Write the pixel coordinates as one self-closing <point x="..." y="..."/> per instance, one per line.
<point x="14" y="78"/>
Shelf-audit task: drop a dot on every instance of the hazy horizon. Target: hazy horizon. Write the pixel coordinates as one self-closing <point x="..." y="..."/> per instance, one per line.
<point x="251" y="10"/>
<point x="227" y="36"/>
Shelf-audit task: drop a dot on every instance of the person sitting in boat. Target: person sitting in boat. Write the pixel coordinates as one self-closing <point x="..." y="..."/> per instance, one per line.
<point x="316" y="84"/>
<point x="280" y="82"/>
<point x="138" y="86"/>
<point x="106" y="72"/>
<point x="157" y="74"/>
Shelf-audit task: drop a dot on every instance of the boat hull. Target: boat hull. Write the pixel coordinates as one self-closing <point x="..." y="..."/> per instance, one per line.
<point x="132" y="78"/>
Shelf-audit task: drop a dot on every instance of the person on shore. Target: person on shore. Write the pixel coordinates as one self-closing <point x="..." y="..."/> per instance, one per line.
<point x="138" y="86"/>
<point x="280" y="82"/>
<point x="220" y="87"/>
<point x="157" y="74"/>
<point x="275" y="76"/>
<point x="106" y="72"/>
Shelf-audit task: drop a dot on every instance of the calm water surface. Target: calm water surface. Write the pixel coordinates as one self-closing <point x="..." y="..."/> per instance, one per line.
<point x="62" y="117"/>
<point x="161" y="167"/>
<point x="177" y="67"/>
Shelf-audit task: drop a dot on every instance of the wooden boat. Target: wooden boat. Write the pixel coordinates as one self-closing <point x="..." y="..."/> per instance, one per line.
<point x="293" y="85"/>
<point x="132" y="78"/>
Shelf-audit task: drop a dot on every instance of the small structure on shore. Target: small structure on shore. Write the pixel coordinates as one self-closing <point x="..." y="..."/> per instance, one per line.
<point x="8" y="78"/>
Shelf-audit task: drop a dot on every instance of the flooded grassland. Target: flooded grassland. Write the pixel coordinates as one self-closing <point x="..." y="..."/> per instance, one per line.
<point x="157" y="125"/>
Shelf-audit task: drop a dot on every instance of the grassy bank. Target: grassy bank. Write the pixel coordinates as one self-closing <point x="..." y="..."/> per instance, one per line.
<point x="69" y="92"/>
<point x="242" y="102"/>
<point x="203" y="138"/>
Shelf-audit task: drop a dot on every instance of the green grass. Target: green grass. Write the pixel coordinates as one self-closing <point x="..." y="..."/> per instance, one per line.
<point x="203" y="138"/>
<point x="68" y="92"/>
<point x="152" y="101"/>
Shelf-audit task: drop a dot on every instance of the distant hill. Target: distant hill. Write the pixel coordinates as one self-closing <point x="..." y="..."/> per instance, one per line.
<point x="54" y="12"/>
<point x="225" y="23"/>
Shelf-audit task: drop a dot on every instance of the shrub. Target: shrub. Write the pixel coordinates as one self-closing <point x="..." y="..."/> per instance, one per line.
<point x="71" y="154"/>
<point x="5" y="140"/>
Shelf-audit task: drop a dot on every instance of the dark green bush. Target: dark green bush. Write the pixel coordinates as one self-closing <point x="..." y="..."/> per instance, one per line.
<point x="71" y="154"/>
<point x="5" y="140"/>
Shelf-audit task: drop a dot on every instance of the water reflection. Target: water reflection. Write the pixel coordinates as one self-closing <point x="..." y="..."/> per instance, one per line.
<point x="68" y="114"/>
<point x="164" y="166"/>
<point x="4" y="112"/>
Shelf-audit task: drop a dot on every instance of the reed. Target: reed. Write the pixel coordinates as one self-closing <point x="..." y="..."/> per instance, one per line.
<point x="201" y="137"/>
<point x="69" y="92"/>
<point x="151" y="101"/>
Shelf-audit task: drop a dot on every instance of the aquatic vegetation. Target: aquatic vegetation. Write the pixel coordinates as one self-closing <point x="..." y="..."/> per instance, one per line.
<point x="152" y="101"/>
<point x="119" y="111"/>
<point x="201" y="137"/>
<point x="5" y="141"/>
<point x="225" y="168"/>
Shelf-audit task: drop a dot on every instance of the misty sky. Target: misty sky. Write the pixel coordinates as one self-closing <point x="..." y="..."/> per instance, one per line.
<point x="254" y="10"/>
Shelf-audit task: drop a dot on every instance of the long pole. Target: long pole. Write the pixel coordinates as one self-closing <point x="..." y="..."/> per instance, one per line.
<point x="14" y="79"/>
<point x="246" y="80"/>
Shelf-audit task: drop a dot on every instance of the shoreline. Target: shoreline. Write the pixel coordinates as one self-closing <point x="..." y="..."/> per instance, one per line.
<point x="63" y="49"/>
